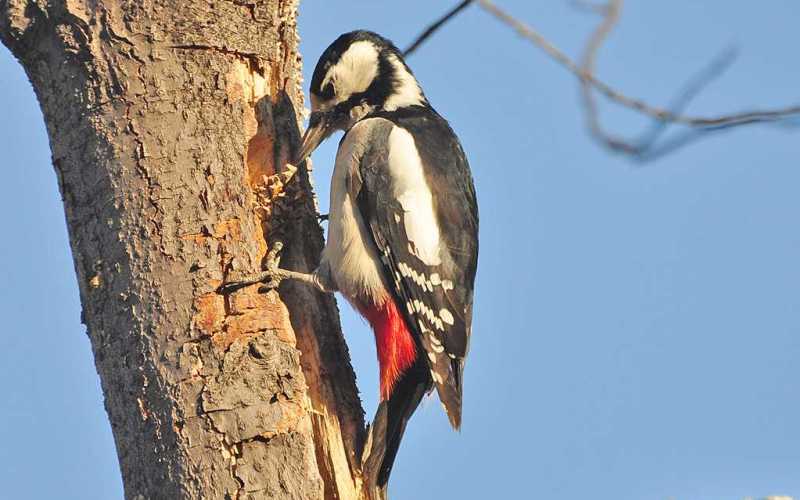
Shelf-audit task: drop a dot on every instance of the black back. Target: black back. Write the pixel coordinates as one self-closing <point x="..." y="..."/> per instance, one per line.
<point x="447" y="173"/>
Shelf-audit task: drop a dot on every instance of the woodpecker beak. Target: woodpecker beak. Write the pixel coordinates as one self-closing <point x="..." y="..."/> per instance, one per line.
<point x="319" y="127"/>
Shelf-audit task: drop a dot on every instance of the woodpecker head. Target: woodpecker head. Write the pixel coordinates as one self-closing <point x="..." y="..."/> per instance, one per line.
<point x="358" y="73"/>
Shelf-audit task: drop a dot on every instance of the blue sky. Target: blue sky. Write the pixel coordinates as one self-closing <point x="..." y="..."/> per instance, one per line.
<point x="636" y="327"/>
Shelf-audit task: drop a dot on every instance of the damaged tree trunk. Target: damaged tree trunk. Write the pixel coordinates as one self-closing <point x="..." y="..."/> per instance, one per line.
<point x="168" y="122"/>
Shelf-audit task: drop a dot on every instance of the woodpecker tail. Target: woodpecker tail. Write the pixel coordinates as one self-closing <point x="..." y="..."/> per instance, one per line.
<point x="387" y="428"/>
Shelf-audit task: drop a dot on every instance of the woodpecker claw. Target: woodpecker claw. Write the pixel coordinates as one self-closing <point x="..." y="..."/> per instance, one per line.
<point x="271" y="277"/>
<point x="274" y="256"/>
<point x="273" y="274"/>
<point x="230" y="287"/>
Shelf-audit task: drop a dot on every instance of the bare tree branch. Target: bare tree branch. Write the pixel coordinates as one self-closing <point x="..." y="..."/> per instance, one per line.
<point x="741" y="118"/>
<point x="594" y="8"/>
<point x="648" y="147"/>
<point x="585" y="72"/>
<point x="433" y="28"/>
<point x="587" y="67"/>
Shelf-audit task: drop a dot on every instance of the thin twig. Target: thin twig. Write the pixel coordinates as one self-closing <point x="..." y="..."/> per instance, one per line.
<point x="646" y="145"/>
<point x="585" y="72"/>
<point x="587" y="65"/>
<point x="715" y="122"/>
<point x="594" y="8"/>
<point x="435" y="27"/>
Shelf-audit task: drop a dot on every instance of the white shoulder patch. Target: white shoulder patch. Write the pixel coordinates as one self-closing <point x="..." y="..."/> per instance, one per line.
<point x="411" y="190"/>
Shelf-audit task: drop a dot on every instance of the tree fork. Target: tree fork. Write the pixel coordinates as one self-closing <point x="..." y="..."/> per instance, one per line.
<point x="165" y="120"/>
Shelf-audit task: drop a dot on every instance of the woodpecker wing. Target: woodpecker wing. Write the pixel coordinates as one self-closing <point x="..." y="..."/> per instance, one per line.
<point x="418" y="200"/>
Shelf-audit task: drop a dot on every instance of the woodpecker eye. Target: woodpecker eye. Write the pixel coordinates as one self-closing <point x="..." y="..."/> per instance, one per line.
<point x="327" y="91"/>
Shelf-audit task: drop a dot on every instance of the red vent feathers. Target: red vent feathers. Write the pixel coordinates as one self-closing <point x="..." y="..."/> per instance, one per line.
<point x="395" y="345"/>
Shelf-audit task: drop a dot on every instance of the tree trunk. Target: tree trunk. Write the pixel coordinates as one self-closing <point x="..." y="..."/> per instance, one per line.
<point x="167" y="122"/>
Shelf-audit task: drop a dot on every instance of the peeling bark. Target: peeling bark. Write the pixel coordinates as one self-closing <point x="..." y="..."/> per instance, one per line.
<point x="167" y="122"/>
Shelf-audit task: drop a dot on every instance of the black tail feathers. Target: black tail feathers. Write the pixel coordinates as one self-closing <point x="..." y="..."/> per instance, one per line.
<point x="386" y="430"/>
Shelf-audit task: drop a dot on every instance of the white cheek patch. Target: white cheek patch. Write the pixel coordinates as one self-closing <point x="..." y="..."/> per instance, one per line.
<point x="354" y="72"/>
<point x="411" y="190"/>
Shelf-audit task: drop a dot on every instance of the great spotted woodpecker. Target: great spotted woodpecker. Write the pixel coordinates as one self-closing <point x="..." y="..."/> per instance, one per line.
<point x="402" y="241"/>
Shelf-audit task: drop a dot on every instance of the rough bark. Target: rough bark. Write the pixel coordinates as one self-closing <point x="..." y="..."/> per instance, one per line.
<point x="165" y="117"/>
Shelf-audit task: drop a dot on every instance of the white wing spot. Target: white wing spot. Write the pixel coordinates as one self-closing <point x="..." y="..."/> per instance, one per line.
<point x="446" y="316"/>
<point x="432" y="357"/>
<point x="447" y="285"/>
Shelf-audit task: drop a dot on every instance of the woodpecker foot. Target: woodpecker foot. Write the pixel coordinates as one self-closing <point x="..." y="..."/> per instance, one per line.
<point x="271" y="277"/>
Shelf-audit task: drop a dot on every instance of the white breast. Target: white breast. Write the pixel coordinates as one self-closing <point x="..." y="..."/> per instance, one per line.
<point x="351" y="255"/>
